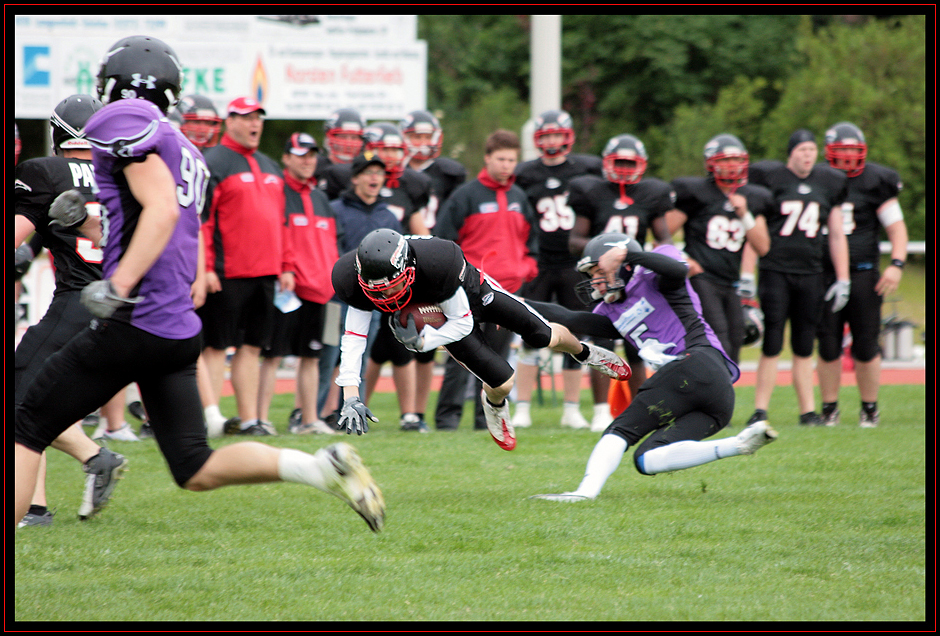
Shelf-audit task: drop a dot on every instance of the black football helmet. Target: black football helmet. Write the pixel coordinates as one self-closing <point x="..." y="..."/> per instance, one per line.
<point x="422" y="122"/>
<point x="68" y="122"/>
<point x="382" y="137"/>
<point x="846" y="148"/>
<point x="141" y="67"/>
<point x="341" y="124"/>
<point x="726" y="159"/>
<point x="631" y="155"/>
<point x="201" y="122"/>
<point x="383" y="262"/>
<point x="554" y="122"/>
<point x="588" y="290"/>
<point x="753" y="324"/>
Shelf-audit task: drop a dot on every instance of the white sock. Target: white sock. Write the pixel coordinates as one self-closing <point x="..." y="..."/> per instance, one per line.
<point x="213" y="413"/>
<point x="602" y="408"/>
<point x="303" y="468"/>
<point x="572" y="406"/>
<point x="679" y="455"/>
<point x="522" y="407"/>
<point x="601" y="464"/>
<point x="246" y="425"/>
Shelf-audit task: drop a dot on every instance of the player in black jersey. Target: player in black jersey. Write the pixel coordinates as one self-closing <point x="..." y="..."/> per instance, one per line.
<point x="425" y="138"/>
<point x="872" y="203"/>
<point x="623" y="200"/>
<point x="343" y="140"/>
<point x="719" y="214"/>
<point x="407" y="194"/>
<point x="807" y="197"/>
<point x="545" y="181"/>
<point x="389" y="271"/>
<point x="77" y="263"/>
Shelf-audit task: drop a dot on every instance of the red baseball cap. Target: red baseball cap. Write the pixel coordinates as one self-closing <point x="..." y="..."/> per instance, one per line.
<point x="244" y="106"/>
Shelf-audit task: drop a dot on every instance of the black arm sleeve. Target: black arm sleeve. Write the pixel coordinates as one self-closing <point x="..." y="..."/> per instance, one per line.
<point x="580" y="322"/>
<point x="671" y="272"/>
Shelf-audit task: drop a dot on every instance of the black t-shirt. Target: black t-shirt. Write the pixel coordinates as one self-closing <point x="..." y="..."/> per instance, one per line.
<point x="547" y="190"/>
<point x="714" y="234"/>
<point x="600" y="201"/>
<point x="867" y="192"/>
<point x="800" y="212"/>
<point x="440" y="269"/>
<point x="37" y="183"/>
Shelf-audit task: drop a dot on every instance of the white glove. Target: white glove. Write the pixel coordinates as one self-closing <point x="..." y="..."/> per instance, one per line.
<point x="747" y="288"/>
<point x="68" y="209"/>
<point x="840" y="291"/>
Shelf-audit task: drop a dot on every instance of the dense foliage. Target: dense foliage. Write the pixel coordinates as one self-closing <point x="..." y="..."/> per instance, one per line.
<point x="676" y="81"/>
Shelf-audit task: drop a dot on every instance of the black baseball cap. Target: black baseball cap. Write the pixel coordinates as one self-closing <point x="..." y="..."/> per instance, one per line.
<point x="361" y="162"/>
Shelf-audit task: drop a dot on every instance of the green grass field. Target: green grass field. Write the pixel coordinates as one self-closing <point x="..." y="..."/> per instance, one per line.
<point x="823" y="525"/>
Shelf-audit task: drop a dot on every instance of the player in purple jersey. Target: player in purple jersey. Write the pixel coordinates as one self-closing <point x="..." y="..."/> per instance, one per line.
<point x="152" y="182"/>
<point x="648" y="300"/>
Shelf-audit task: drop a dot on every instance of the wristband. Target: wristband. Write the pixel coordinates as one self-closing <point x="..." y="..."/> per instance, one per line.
<point x="897" y="262"/>
<point x="748" y="221"/>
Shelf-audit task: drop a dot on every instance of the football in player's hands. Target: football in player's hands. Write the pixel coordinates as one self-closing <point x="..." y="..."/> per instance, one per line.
<point x="424" y="314"/>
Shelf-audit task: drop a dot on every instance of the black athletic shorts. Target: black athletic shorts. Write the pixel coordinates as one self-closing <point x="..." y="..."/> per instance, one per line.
<point x="797" y="298"/>
<point x="242" y="313"/>
<point x="862" y="314"/>
<point x="100" y="361"/>
<point x="297" y="333"/>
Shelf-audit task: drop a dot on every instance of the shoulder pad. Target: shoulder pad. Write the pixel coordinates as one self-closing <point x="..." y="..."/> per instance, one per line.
<point x="125" y="128"/>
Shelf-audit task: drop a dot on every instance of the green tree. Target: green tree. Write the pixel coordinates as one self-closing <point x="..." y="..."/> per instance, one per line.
<point x="873" y="75"/>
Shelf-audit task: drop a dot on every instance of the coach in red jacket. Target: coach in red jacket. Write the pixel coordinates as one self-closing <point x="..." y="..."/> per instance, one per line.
<point x="247" y="250"/>
<point x="494" y="224"/>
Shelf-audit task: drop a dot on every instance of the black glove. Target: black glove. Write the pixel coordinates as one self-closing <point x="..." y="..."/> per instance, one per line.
<point x="68" y="209"/>
<point x="354" y="415"/>
<point x="101" y="299"/>
<point x="409" y="335"/>
<point x="22" y="257"/>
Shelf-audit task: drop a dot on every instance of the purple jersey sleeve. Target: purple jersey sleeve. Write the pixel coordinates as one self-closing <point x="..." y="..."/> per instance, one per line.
<point x="662" y="326"/>
<point x="124" y="132"/>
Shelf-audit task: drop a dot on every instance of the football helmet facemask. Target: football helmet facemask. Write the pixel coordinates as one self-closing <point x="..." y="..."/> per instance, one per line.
<point x="624" y="159"/>
<point x="553" y="122"/>
<point x="726" y="159"/>
<point x="846" y="148"/>
<point x="386" y="269"/>
<point x="421" y="122"/>
<point x="597" y="288"/>
<point x="201" y="122"/>
<point x="385" y="141"/>
<point x="343" y="134"/>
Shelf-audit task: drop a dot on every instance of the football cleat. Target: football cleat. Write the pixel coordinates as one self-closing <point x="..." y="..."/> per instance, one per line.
<point x="831" y="419"/>
<point x="412" y="422"/>
<point x="755" y="436"/>
<point x="318" y="427"/>
<point x="499" y="423"/>
<point x="102" y="473"/>
<point x="866" y="420"/>
<point x="296" y="419"/>
<point x="812" y="419"/>
<point x="352" y="483"/>
<point x="601" y="420"/>
<point x="566" y="497"/>
<point x="30" y="519"/>
<point x="759" y="415"/>
<point x="607" y="362"/>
